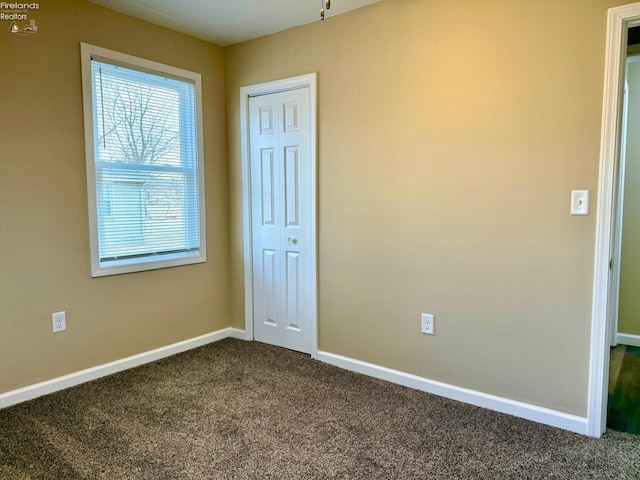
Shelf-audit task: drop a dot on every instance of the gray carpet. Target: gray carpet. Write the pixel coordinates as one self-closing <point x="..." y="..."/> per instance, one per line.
<point x="239" y="410"/>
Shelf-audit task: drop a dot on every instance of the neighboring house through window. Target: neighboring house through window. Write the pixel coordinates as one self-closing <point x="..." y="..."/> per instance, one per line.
<point x="144" y="163"/>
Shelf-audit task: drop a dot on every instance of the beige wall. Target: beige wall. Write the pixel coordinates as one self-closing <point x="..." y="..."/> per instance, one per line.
<point x="629" y="308"/>
<point x="44" y="240"/>
<point x="450" y="136"/>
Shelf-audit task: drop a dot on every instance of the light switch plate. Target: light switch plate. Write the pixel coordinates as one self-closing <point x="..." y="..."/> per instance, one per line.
<point x="579" y="202"/>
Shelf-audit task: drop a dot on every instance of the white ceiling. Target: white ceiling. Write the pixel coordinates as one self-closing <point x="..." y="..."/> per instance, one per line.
<point x="226" y="22"/>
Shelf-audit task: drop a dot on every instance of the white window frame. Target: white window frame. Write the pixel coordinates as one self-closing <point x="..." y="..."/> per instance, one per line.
<point x="87" y="52"/>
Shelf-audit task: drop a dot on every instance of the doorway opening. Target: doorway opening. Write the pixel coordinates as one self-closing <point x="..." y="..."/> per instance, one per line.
<point x="623" y="395"/>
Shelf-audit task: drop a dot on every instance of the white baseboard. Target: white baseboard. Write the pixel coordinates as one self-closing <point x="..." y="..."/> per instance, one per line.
<point x="499" y="404"/>
<point x="527" y="411"/>
<point x="60" y="383"/>
<point x="628" y="339"/>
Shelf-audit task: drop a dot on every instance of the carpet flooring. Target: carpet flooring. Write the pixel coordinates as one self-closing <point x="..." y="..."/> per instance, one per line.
<point x="244" y="410"/>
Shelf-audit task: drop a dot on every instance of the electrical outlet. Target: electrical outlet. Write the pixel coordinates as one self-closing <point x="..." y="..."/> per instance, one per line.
<point x="59" y="320"/>
<point x="428" y="323"/>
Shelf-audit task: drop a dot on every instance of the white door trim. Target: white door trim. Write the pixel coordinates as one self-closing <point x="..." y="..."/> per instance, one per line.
<point x="308" y="80"/>
<point x="618" y="20"/>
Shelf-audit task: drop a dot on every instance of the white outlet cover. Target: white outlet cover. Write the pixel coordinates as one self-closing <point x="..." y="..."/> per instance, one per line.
<point x="59" y="321"/>
<point x="427" y="324"/>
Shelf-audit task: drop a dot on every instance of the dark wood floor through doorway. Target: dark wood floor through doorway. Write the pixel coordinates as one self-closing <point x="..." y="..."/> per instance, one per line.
<point x="623" y="410"/>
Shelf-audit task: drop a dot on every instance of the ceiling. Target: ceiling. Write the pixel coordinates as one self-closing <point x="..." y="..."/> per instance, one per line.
<point x="225" y="22"/>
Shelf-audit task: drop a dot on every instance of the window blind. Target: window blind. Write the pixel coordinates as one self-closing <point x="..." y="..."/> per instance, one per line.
<point x="146" y="166"/>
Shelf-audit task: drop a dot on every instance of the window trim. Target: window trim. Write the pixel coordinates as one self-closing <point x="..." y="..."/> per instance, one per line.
<point x="87" y="52"/>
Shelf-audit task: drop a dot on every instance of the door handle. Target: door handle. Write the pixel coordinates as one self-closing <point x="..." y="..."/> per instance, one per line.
<point x="292" y="240"/>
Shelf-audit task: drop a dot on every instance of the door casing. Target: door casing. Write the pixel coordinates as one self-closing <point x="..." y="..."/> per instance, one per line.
<point x="310" y="81"/>
<point x="619" y="19"/>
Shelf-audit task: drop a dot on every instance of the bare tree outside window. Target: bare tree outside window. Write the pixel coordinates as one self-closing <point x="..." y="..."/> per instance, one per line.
<point x="140" y="122"/>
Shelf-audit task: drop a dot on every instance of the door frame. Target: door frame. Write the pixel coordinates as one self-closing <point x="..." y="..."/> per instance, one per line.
<point x="301" y="81"/>
<point x="619" y="19"/>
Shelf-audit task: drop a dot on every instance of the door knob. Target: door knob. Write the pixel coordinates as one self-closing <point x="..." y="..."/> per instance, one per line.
<point x="292" y="240"/>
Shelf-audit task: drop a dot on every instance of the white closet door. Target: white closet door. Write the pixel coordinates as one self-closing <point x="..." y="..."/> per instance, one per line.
<point x="281" y="218"/>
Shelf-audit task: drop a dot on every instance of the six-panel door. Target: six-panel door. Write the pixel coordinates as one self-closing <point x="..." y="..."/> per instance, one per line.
<point x="281" y="218"/>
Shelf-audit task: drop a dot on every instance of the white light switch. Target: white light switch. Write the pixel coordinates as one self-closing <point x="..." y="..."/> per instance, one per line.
<point x="579" y="202"/>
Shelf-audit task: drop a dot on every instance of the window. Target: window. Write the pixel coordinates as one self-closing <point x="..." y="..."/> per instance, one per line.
<point x="144" y="158"/>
